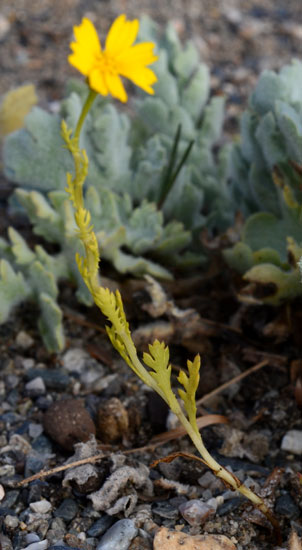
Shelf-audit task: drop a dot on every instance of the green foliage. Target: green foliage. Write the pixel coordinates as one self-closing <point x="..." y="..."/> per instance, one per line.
<point x="153" y="182"/>
<point x="266" y="174"/>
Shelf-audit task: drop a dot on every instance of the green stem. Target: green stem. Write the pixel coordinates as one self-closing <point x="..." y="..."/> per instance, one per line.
<point x="86" y="107"/>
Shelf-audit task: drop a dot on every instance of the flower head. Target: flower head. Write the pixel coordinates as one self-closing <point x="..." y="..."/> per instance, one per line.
<point x="103" y="68"/>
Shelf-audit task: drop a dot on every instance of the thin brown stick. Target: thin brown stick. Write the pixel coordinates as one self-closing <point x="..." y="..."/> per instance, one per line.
<point x="51" y="471"/>
<point x="232" y="381"/>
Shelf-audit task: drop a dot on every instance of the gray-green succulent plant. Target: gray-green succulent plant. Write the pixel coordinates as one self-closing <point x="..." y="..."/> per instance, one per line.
<point x="266" y="175"/>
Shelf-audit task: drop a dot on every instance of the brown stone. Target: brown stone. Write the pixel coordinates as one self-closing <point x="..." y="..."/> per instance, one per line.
<point x="112" y="421"/>
<point x="68" y="422"/>
<point x="165" y="539"/>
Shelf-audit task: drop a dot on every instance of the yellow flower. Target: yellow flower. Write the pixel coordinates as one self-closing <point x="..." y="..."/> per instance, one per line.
<point x="103" y="68"/>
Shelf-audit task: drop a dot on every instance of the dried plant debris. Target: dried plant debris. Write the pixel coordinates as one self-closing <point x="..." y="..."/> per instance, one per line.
<point x="119" y="493"/>
<point x="86" y="477"/>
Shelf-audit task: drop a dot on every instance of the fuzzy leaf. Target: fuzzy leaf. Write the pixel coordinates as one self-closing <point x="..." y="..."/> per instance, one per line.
<point x="212" y="121"/>
<point x="270" y="141"/>
<point x="13" y="289"/>
<point x="45" y="219"/>
<point x="22" y="253"/>
<point x="290" y="124"/>
<point x="42" y="280"/>
<point x="185" y="61"/>
<point x="265" y="230"/>
<point x="269" y="88"/>
<point x="34" y="156"/>
<point x="50" y="323"/>
<point x="196" y="93"/>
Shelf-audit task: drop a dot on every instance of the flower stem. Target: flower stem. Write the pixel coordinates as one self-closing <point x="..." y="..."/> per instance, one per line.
<point x="86" y="107"/>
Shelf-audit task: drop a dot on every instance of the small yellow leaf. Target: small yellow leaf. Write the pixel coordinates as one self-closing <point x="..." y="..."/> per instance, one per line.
<point x="15" y="106"/>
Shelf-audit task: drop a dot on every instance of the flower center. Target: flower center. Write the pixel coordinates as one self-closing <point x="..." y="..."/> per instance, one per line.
<point x="105" y="63"/>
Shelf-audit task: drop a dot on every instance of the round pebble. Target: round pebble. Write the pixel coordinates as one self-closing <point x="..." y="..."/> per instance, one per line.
<point x="118" y="536"/>
<point x="292" y="442"/>
<point x="41" y="506"/>
<point x="24" y="340"/>
<point x="67" y="510"/>
<point x="286" y="506"/>
<point x="196" y="512"/>
<point x="100" y="526"/>
<point x="11" y="522"/>
<point x="35" y="387"/>
<point x="75" y="359"/>
<point x="68" y="422"/>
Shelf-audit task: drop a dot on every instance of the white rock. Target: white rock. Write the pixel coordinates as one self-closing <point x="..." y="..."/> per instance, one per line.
<point x="292" y="442"/>
<point x="75" y="359"/>
<point x="34" y="430"/>
<point x="24" y="340"/>
<point x="11" y="522"/>
<point x="40" y="506"/>
<point x="36" y="386"/>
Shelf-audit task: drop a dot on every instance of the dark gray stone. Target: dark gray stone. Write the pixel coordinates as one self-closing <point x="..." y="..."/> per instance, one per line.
<point x="100" y="526"/>
<point x="67" y="510"/>
<point x="286" y="506"/>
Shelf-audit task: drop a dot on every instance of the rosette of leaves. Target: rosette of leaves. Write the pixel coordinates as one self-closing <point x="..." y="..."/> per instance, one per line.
<point x="266" y="174"/>
<point x="154" y="181"/>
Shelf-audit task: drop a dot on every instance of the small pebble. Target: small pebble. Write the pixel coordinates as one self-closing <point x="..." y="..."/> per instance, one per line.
<point x="67" y="422"/>
<point x="286" y="506"/>
<point x="11" y="498"/>
<point x="56" y="379"/>
<point x="166" y="510"/>
<point x="118" y="536"/>
<point x="11" y="522"/>
<point x="24" y="340"/>
<point x="230" y="505"/>
<point x="34" y="430"/>
<point x="292" y="442"/>
<point x="7" y="470"/>
<point x="5" y="543"/>
<point x="35" y="387"/>
<point x="75" y="359"/>
<point x="196" y="512"/>
<point x="67" y="510"/>
<point x="42" y="445"/>
<point x="100" y="526"/>
<point x="112" y="421"/>
<point x="41" y="506"/>
<point x="33" y="464"/>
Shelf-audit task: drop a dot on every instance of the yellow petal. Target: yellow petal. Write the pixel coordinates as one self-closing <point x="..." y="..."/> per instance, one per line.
<point x="121" y="35"/>
<point x="142" y="77"/>
<point x="115" y="87"/>
<point x="86" y="47"/>
<point x="140" y="54"/>
<point x="97" y="82"/>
